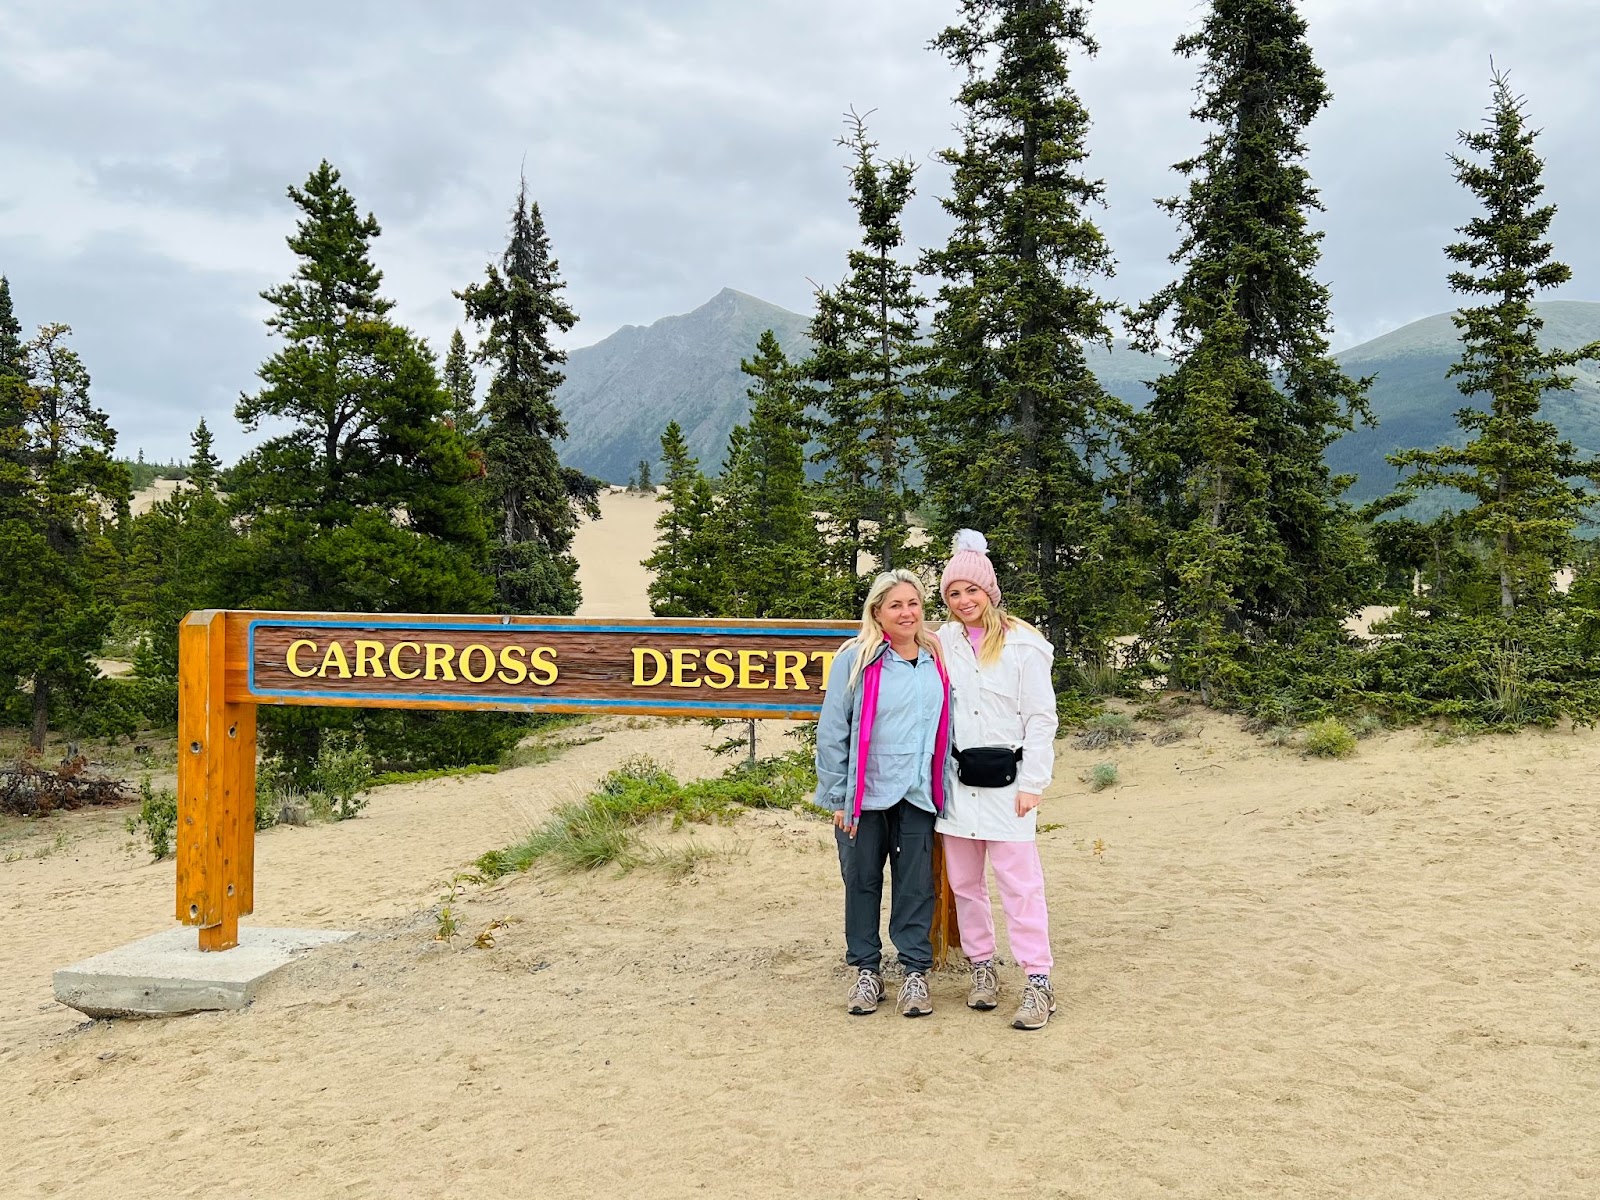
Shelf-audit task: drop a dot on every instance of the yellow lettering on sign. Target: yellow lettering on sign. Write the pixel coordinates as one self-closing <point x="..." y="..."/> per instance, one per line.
<point x="749" y="667"/>
<point x="488" y="663"/>
<point x="395" y="668"/>
<point x="658" y="661"/>
<point x="825" y="657"/>
<point x="440" y="657"/>
<point x="511" y="660"/>
<point x="334" y="658"/>
<point x="369" y="658"/>
<point x="291" y="659"/>
<point x="790" y="664"/>
<point x="542" y="662"/>
<point x="719" y="670"/>
<point x="683" y="660"/>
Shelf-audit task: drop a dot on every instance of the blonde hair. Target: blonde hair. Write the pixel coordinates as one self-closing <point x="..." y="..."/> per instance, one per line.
<point x="870" y="638"/>
<point x="996" y="624"/>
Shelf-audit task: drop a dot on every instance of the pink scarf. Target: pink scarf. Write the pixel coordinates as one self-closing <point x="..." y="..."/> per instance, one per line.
<point x="870" y="680"/>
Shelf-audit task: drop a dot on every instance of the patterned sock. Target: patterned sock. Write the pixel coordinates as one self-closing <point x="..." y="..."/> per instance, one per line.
<point x="1042" y="981"/>
<point x="981" y="962"/>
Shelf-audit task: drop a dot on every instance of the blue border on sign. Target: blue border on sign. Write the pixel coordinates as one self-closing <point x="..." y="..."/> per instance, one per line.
<point x="687" y="707"/>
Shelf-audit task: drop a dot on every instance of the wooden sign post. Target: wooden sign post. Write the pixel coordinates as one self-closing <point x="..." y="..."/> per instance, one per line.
<point x="231" y="661"/>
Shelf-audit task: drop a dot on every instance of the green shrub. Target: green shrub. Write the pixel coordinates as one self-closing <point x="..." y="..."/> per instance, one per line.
<point x="1101" y="776"/>
<point x="1329" y="738"/>
<point x="1105" y="729"/>
<point x="342" y="773"/>
<point x="156" y="820"/>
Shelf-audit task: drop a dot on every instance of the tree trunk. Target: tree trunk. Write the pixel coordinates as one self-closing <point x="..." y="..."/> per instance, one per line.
<point x="41" y="713"/>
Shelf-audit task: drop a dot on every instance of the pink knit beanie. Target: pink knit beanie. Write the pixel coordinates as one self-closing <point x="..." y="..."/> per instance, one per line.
<point x="969" y="560"/>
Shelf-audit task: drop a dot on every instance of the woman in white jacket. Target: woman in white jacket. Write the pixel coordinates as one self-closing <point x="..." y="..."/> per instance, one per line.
<point x="1003" y="706"/>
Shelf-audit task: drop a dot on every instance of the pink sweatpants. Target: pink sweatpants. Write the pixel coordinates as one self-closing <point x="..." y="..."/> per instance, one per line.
<point x="1021" y="880"/>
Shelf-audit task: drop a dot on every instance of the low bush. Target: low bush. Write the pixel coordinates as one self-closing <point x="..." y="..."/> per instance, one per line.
<point x="156" y="820"/>
<point x="1329" y="738"/>
<point x="1101" y="776"/>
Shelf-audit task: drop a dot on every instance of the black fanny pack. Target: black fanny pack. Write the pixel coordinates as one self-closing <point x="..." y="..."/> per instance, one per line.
<point x="987" y="766"/>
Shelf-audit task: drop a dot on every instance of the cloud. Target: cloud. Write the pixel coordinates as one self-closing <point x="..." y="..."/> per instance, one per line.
<point x="675" y="149"/>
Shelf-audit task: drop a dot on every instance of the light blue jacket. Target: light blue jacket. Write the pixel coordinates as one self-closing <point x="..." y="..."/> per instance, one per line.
<point x="900" y="754"/>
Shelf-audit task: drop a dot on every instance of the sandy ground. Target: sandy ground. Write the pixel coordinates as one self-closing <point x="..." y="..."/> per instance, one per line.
<point x="610" y="552"/>
<point x="1378" y="977"/>
<point x="1277" y="976"/>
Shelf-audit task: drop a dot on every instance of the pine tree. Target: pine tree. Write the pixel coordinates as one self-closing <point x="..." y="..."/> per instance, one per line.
<point x="363" y="504"/>
<point x="461" y="387"/>
<point x="1247" y="528"/>
<point x="768" y="550"/>
<point x="1516" y="467"/>
<point x="641" y="479"/>
<point x="59" y="565"/>
<point x="535" y="503"/>
<point x="177" y="562"/>
<point x="13" y="360"/>
<point x="683" y="564"/>
<point x="1021" y="443"/>
<point x="873" y="365"/>
<point x="203" y="463"/>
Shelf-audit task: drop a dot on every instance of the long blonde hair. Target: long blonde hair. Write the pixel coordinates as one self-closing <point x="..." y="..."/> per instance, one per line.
<point x="870" y="638"/>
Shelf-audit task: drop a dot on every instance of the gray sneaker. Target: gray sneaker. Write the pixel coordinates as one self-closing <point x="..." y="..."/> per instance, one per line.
<point x="914" y="1000"/>
<point x="1038" y="1002"/>
<point x="985" y="991"/>
<point x="864" y="993"/>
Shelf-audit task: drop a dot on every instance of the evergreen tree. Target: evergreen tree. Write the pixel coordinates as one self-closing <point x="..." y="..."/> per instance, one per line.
<point x="204" y="466"/>
<point x="13" y="359"/>
<point x="363" y="504"/>
<point x="461" y="387"/>
<point x="769" y="552"/>
<point x="1524" y="478"/>
<point x="1249" y="535"/>
<point x="683" y="565"/>
<point x="873" y="366"/>
<point x="1021" y="443"/>
<point x="177" y="562"/>
<point x="535" y="503"/>
<point x="642" y="481"/>
<point x="59" y="566"/>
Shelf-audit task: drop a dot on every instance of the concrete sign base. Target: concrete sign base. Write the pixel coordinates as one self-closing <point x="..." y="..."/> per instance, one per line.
<point x="166" y="975"/>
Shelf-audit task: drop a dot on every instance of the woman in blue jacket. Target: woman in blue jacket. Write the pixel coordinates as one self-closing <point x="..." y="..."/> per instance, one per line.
<point x="882" y="740"/>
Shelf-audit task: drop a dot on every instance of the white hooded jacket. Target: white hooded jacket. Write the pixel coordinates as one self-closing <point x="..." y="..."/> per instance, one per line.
<point x="1010" y="703"/>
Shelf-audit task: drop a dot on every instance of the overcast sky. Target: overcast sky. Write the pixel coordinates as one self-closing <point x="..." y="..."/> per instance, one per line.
<point x="676" y="147"/>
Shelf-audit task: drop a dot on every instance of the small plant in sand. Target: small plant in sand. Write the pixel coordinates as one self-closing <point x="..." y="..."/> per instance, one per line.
<point x="1329" y="738"/>
<point x="156" y="819"/>
<point x="343" y="772"/>
<point x="1101" y="776"/>
<point x="1106" y="729"/>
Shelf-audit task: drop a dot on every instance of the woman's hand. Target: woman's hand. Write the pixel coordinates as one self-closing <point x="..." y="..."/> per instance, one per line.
<point x="841" y="820"/>
<point x="1026" y="803"/>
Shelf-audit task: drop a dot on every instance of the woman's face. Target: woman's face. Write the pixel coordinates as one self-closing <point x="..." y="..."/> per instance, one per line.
<point x="967" y="601"/>
<point x="900" y="612"/>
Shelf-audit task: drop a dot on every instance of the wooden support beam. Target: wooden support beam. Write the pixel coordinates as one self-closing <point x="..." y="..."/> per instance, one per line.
<point x="216" y="788"/>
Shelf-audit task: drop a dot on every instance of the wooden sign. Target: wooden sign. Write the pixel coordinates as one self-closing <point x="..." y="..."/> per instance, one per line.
<point x="231" y="662"/>
<point x="541" y="664"/>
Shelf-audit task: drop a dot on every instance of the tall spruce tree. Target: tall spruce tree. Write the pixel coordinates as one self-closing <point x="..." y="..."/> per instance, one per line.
<point x="59" y="563"/>
<point x="204" y="465"/>
<point x="1526" y="481"/>
<point x="363" y="504"/>
<point x="535" y="503"/>
<point x="684" y="564"/>
<point x="868" y="355"/>
<point x="1249" y="535"/>
<point x="1021" y="442"/>
<point x="460" y="386"/>
<point x="13" y="361"/>
<point x="770" y="554"/>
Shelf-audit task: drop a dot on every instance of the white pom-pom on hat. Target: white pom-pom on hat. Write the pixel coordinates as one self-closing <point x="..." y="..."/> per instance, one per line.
<point x="969" y="560"/>
<point x="970" y="539"/>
